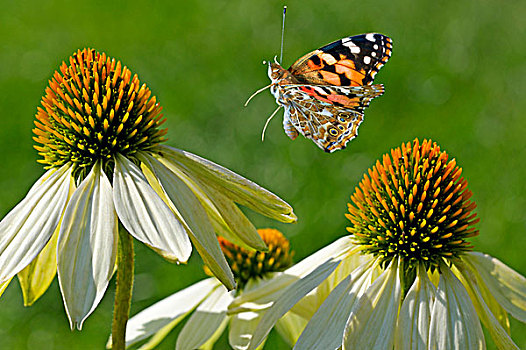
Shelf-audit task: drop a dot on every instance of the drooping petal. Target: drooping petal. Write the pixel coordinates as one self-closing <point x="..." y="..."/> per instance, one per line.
<point x="3" y="286"/>
<point x="144" y="214"/>
<point x="209" y="344"/>
<point x="192" y="215"/>
<point x="290" y="327"/>
<point x="170" y="310"/>
<point x="491" y="314"/>
<point x="155" y="339"/>
<point x="307" y="306"/>
<point x="506" y="285"/>
<point x="87" y="246"/>
<point x="372" y="321"/>
<point x="241" y="230"/>
<point x="454" y="321"/>
<point x="325" y="329"/>
<point x="412" y="329"/>
<point x="236" y="187"/>
<point x="27" y="228"/>
<point x="271" y="289"/>
<point x="228" y="220"/>
<point x="38" y="275"/>
<point x="289" y="298"/>
<point x="242" y="326"/>
<point x="205" y="320"/>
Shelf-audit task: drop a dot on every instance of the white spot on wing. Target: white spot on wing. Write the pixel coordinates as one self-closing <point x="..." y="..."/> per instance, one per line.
<point x="319" y="90"/>
<point x="352" y="46"/>
<point x="373" y="54"/>
<point x="370" y="37"/>
<point x="375" y="46"/>
<point x="367" y="59"/>
<point x="328" y="58"/>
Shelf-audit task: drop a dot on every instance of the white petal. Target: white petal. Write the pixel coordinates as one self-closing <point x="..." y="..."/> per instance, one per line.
<point x="205" y="320"/>
<point x="325" y="329"/>
<point x="87" y="246"/>
<point x="173" y="308"/>
<point x="27" y="228"/>
<point x="3" y="286"/>
<point x="290" y="327"/>
<point x="289" y="298"/>
<point x="337" y="250"/>
<point x="264" y="297"/>
<point x="236" y="187"/>
<point x="209" y="344"/>
<point x="505" y="284"/>
<point x="271" y="289"/>
<point x="486" y="306"/>
<point x="241" y="230"/>
<point x="242" y="326"/>
<point x="228" y="220"/>
<point x="191" y="214"/>
<point x="415" y="314"/>
<point x="454" y="321"/>
<point x="372" y="321"/>
<point x="144" y="214"/>
<point x="307" y="306"/>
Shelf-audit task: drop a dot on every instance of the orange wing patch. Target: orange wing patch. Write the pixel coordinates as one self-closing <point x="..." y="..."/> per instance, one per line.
<point x="331" y="78"/>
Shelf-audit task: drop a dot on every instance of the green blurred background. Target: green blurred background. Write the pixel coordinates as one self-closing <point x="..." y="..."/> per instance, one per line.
<point x="457" y="75"/>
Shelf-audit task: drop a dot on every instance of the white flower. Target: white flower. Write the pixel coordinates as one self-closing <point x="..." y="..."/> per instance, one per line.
<point x="99" y="135"/>
<point x="406" y="278"/>
<point x="207" y="302"/>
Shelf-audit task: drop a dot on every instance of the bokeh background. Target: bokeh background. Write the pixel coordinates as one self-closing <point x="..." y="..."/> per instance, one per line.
<point x="457" y="75"/>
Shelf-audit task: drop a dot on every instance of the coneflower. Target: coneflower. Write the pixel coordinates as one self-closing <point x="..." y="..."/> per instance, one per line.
<point x="406" y="277"/>
<point x="99" y="133"/>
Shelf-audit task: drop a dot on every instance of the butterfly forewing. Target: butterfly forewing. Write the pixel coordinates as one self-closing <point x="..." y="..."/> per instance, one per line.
<point x="351" y="61"/>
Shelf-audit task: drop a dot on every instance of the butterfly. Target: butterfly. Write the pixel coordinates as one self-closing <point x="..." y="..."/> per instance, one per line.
<point x="324" y="93"/>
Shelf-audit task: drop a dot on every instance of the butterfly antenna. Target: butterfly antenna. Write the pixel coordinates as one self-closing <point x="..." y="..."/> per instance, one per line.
<point x="282" y="34"/>
<point x="268" y="121"/>
<point x="257" y="92"/>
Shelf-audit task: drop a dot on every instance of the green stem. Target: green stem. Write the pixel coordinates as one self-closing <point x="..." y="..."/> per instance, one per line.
<point x="123" y="292"/>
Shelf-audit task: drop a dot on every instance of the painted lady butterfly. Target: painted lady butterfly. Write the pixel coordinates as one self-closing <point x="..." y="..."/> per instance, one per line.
<point x="325" y="92"/>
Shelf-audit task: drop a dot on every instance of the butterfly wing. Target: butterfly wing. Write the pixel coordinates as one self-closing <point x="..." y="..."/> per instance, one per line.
<point x="326" y="91"/>
<point x="351" y="61"/>
<point x="328" y="115"/>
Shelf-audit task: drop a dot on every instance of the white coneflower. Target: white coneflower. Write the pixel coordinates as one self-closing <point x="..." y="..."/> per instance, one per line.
<point x="418" y="284"/>
<point x="207" y="302"/>
<point x="99" y="136"/>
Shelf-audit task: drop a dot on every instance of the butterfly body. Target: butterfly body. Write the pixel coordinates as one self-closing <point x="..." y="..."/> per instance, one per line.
<point x="325" y="92"/>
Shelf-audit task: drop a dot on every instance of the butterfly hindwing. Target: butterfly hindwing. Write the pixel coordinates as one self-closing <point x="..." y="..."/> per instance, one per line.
<point x="351" y="61"/>
<point x="330" y="124"/>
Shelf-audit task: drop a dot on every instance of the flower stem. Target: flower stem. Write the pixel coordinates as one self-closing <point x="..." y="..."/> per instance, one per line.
<point x="123" y="292"/>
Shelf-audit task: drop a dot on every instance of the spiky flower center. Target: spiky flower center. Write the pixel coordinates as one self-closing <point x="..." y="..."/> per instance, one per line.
<point x="249" y="264"/>
<point x="414" y="205"/>
<point x="93" y="109"/>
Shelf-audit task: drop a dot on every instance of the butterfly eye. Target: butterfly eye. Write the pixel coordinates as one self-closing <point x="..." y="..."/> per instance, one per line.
<point x="333" y="131"/>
